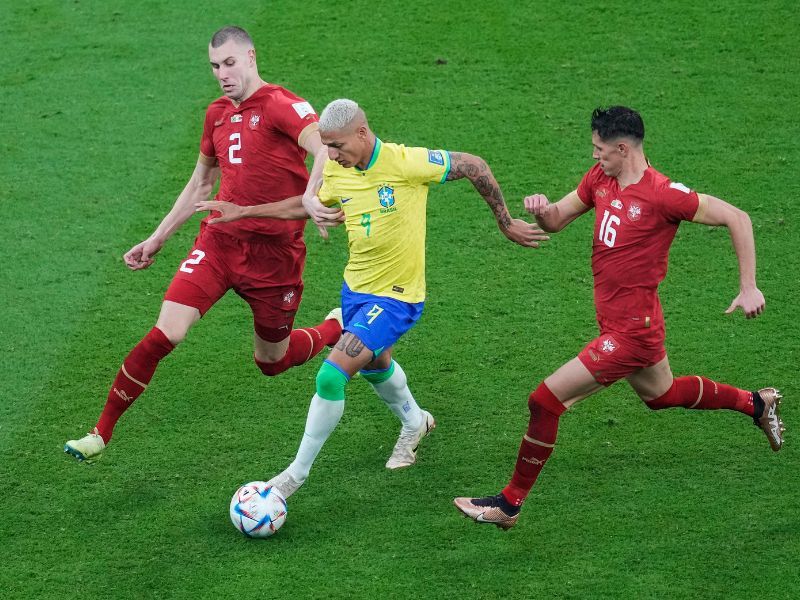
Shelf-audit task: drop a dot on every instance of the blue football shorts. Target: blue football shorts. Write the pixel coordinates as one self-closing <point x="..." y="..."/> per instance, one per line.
<point x="377" y="321"/>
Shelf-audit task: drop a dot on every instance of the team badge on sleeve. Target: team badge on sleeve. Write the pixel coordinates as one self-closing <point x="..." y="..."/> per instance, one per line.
<point x="435" y="157"/>
<point x="303" y="109"/>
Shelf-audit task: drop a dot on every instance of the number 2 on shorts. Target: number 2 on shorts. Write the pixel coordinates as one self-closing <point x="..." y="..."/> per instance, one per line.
<point x="199" y="255"/>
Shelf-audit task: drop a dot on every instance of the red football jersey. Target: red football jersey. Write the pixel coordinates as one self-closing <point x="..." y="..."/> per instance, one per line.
<point x="633" y="231"/>
<point x="255" y="145"/>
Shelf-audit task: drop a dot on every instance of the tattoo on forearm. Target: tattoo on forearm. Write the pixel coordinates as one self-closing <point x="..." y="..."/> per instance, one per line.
<point x="350" y="345"/>
<point x="477" y="171"/>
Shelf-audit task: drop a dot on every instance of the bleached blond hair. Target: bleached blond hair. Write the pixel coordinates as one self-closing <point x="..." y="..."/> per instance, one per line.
<point x="338" y="115"/>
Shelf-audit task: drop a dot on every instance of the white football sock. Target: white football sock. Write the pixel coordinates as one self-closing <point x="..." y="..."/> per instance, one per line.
<point x="395" y="393"/>
<point x="323" y="416"/>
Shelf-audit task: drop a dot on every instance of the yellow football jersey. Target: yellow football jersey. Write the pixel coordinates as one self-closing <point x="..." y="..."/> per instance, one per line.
<point x="384" y="207"/>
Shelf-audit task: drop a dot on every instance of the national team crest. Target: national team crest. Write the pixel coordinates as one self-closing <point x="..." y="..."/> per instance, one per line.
<point x="634" y="212"/>
<point x="435" y="157"/>
<point x="386" y="196"/>
<point x="254" y="119"/>
<point x="608" y="345"/>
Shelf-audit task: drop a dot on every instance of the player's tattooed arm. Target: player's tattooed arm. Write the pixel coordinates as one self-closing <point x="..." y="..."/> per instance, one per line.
<point x="474" y="168"/>
<point x="478" y="172"/>
<point x="350" y="345"/>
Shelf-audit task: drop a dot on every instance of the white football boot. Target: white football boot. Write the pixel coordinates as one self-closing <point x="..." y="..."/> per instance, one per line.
<point x="88" y="449"/>
<point x="336" y="313"/>
<point x="405" y="450"/>
<point x="285" y="484"/>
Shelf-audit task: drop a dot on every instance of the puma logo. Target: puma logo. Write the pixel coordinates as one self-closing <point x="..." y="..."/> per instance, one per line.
<point x="124" y="395"/>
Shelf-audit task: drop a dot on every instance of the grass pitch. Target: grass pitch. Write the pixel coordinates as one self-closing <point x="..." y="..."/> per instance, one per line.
<point x="104" y="104"/>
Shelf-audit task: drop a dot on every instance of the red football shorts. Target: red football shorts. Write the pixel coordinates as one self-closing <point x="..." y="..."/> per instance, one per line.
<point x="267" y="276"/>
<point x="613" y="356"/>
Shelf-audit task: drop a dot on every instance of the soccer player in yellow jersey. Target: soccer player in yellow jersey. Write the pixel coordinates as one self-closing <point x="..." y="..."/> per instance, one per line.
<point x="382" y="189"/>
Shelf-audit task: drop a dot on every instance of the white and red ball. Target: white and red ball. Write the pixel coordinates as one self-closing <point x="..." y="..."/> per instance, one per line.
<point x="258" y="509"/>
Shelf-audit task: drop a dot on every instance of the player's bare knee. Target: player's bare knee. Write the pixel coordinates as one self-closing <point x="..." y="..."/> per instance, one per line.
<point x="174" y="334"/>
<point x="665" y="400"/>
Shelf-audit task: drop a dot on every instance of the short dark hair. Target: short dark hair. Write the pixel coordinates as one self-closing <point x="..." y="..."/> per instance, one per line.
<point x="616" y="122"/>
<point x="230" y="32"/>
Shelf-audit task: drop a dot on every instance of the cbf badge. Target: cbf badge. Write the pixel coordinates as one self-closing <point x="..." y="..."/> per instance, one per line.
<point x="435" y="157"/>
<point x="386" y="196"/>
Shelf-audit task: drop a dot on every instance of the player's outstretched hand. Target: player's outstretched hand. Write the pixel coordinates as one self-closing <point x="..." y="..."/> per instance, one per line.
<point x="751" y="301"/>
<point x="537" y="204"/>
<point x="524" y="233"/>
<point x="142" y="254"/>
<point x="228" y="210"/>
<point x="323" y="216"/>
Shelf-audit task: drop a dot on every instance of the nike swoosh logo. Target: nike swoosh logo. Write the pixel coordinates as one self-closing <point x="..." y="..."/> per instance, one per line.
<point x="360" y="325"/>
<point x="345" y="200"/>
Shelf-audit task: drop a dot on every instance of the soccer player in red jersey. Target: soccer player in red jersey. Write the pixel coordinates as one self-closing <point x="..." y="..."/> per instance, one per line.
<point x="256" y="137"/>
<point x="637" y="212"/>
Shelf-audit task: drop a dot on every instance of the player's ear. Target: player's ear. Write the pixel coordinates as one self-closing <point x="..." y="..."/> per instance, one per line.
<point x="251" y="54"/>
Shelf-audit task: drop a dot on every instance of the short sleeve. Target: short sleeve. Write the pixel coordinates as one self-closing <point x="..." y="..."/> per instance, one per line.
<point x="586" y="186"/>
<point x="426" y="166"/>
<point x="678" y="202"/>
<point x="292" y="114"/>
<point x="207" y="140"/>
<point x="327" y="193"/>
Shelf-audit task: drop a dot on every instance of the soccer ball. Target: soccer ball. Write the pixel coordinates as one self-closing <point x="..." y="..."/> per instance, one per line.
<point x="257" y="509"/>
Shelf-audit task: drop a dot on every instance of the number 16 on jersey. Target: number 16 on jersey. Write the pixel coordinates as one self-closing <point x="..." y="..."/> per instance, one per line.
<point x="608" y="235"/>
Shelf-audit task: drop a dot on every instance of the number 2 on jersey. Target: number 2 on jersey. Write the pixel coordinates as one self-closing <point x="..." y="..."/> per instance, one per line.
<point x="608" y="235"/>
<point x="236" y="138"/>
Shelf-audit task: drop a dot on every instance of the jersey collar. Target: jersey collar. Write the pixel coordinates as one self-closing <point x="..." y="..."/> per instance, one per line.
<point x="375" y="151"/>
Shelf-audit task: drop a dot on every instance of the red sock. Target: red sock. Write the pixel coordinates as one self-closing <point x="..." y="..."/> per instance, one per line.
<point x="304" y="344"/>
<point x="701" y="393"/>
<point x="537" y="443"/>
<point x="132" y="379"/>
<point x="330" y="330"/>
